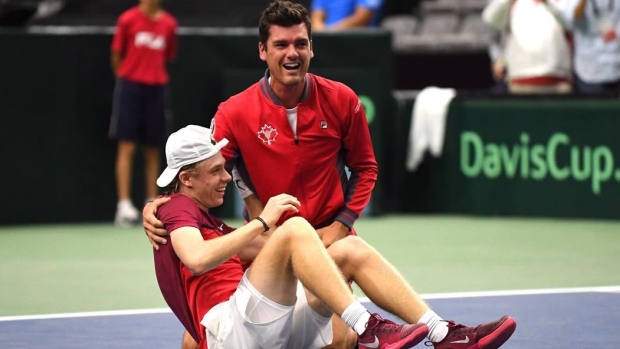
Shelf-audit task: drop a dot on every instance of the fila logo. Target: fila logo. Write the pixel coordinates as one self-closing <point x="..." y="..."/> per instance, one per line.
<point x="150" y="40"/>
<point x="267" y="134"/>
<point x="323" y="124"/>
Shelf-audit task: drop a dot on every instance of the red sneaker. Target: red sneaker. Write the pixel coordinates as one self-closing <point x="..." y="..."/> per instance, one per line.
<point x="385" y="334"/>
<point x="486" y="336"/>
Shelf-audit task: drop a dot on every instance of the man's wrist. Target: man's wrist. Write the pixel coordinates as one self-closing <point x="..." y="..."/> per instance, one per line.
<point x="262" y="221"/>
<point x="343" y="229"/>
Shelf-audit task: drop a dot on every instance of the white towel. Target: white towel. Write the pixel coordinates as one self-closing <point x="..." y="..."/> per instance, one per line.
<point x="428" y="124"/>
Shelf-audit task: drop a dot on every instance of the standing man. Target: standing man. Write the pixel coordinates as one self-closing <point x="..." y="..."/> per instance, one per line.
<point x="596" y="31"/>
<point x="145" y="40"/>
<point x="531" y="61"/>
<point x="294" y="132"/>
<point x="345" y="14"/>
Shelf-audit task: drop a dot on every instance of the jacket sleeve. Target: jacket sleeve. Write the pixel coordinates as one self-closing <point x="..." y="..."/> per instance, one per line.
<point x="222" y="127"/>
<point x="360" y="159"/>
<point x="564" y="12"/>
<point x="495" y="14"/>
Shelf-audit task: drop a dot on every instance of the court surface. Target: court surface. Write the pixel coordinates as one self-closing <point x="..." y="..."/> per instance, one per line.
<point x="92" y="286"/>
<point x="552" y="319"/>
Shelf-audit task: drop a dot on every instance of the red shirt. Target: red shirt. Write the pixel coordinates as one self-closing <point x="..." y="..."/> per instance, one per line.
<point x="332" y="132"/>
<point x="204" y="291"/>
<point x="145" y="45"/>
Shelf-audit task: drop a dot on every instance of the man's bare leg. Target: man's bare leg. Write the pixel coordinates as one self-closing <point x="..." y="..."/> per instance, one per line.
<point x="188" y="341"/>
<point x="124" y="165"/>
<point x="151" y="170"/>
<point x="343" y="336"/>
<point x="362" y="264"/>
<point x="294" y="251"/>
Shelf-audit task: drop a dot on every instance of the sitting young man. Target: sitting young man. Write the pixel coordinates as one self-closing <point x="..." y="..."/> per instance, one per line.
<point x="294" y="284"/>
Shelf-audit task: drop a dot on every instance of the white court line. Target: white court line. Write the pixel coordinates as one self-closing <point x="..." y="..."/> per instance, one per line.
<point x="86" y="314"/>
<point x="606" y="289"/>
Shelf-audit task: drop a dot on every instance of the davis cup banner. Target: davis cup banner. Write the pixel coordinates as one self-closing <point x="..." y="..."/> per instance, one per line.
<point x="538" y="157"/>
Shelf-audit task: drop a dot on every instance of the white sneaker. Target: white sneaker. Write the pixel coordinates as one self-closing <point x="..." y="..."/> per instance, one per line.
<point x="126" y="216"/>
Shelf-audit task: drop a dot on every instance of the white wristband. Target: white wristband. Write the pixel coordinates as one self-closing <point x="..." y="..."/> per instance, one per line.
<point x="242" y="188"/>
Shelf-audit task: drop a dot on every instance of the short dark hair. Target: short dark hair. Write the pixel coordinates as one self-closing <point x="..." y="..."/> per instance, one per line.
<point x="285" y="14"/>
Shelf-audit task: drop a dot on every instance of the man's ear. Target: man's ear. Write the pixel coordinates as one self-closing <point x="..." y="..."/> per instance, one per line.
<point x="184" y="178"/>
<point x="311" y="50"/>
<point x="262" y="51"/>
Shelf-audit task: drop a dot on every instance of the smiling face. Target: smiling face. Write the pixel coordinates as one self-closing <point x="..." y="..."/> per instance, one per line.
<point x="287" y="52"/>
<point x="206" y="183"/>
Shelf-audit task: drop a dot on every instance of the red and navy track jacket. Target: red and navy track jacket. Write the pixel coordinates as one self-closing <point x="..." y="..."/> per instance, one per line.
<point x="332" y="132"/>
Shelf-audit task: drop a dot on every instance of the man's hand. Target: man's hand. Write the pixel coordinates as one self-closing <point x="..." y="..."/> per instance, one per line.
<point x="333" y="233"/>
<point x="276" y="206"/>
<point x="153" y="227"/>
<point x="498" y="69"/>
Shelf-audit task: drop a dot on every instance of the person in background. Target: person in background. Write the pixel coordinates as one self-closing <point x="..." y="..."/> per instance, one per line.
<point x="596" y="26"/>
<point x="532" y="52"/>
<point x="345" y="14"/>
<point x="144" y="41"/>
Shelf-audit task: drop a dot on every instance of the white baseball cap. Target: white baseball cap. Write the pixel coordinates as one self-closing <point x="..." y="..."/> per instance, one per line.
<point x="186" y="146"/>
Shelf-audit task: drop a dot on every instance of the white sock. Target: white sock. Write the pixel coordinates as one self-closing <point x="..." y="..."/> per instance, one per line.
<point x="356" y="316"/>
<point x="124" y="203"/>
<point x="437" y="327"/>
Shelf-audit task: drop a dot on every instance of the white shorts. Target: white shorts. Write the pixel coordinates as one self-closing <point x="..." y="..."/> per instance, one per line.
<point x="249" y="320"/>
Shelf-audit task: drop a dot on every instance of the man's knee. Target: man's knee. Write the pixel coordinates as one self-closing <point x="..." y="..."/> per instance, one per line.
<point x="296" y="224"/>
<point x="349" y="249"/>
<point x="295" y="227"/>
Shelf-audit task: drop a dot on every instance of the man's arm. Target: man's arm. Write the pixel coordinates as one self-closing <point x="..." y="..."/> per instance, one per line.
<point x="153" y="227"/>
<point x="360" y="160"/>
<point x="553" y="6"/>
<point x="580" y="10"/>
<point x="496" y="13"/>
<point x="496" y="53"/>
<point x="317" y="17"/>
<point x="330" y="234"/>
<point x="567" y="12"/>
<point x="118" y="45"/>
<point x="363" y="166"/>
<point x="360" y="18"/>
<point x="253" y="205"/>
<point x="172" y="45"/>
<point x="115" y="62"/>
<point x="200" y="255"/>
<point x="251" y="250"/>
<point x="333" y="232"/>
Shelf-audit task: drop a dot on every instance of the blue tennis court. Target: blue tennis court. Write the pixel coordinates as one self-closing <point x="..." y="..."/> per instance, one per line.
<point x="551" y="319"/>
